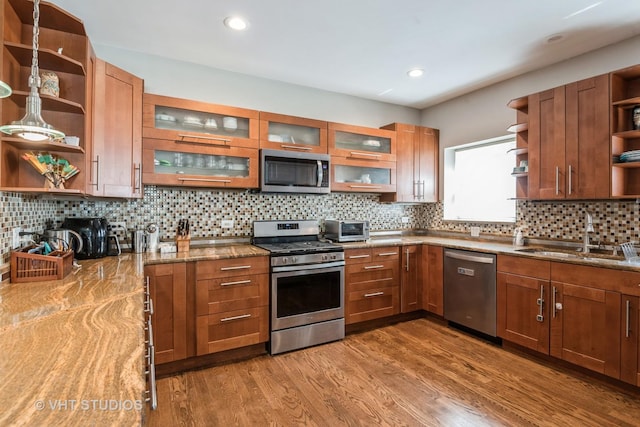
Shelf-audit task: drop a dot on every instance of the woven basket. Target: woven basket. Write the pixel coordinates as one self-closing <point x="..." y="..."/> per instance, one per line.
<point x="26" y="267"/>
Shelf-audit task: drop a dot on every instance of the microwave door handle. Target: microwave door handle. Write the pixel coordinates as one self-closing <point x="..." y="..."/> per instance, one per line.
<point x="320" y="174"/>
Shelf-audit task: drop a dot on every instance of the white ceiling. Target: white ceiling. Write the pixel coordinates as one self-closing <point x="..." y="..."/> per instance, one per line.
<point x="365" y="47"/>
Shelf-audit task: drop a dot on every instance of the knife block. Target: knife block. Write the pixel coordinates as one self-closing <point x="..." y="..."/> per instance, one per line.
<point x="182" y="243"/>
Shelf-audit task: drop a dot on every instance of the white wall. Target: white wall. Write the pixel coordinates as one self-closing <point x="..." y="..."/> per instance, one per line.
<point x="191" y="81"/>
<point x="483" y="114"/>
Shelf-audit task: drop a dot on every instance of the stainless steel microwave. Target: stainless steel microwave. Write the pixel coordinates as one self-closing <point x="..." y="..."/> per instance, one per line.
<point x="287" y="172"/>
<point x="346" y="231"/>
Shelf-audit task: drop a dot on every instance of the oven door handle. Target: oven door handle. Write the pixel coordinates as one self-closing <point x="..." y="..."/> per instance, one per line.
<point x="308" y="267"/>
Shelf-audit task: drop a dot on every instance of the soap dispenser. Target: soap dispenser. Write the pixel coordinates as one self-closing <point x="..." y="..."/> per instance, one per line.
<point x="518" y="238"/>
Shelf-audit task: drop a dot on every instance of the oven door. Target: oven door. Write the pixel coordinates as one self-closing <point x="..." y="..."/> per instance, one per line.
<point x="302" y="295"/>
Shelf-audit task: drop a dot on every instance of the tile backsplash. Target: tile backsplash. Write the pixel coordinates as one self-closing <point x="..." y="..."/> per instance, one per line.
<point x="614" y="221"/>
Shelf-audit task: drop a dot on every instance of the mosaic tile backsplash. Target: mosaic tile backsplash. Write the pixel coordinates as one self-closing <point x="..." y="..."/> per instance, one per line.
<point x="614" y="221"/>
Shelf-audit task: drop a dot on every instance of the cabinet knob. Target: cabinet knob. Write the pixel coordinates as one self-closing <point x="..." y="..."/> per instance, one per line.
<point x="558" y="306"/>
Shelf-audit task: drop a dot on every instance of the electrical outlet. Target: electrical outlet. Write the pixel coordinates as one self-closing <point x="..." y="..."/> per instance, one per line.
<point x="227" y="223"/>
<point x="15" y="241"/>
<point x="118" y="226"/>
<point x="405" y="220"/>
<point x="475" y="231"/>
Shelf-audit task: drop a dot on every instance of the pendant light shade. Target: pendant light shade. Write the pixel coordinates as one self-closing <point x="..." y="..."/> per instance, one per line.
<point x="32" y="126"/>
<point x="5" y="90"/>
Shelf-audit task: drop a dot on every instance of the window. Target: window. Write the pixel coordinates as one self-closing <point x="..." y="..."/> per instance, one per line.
<point x="477" y="181"/>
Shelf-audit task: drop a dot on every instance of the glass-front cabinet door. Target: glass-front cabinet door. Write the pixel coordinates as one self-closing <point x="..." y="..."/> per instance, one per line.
<point x="363" y="176"/>
<point x="216" y="125"/>
<point x="280" y="132"/>
<point x="177" y="164"/>
<point x="357" y="142"/>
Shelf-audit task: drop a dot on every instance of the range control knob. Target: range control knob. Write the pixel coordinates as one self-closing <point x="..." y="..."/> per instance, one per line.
<point x="294" y="260"/>
<point x="284" y="260"/>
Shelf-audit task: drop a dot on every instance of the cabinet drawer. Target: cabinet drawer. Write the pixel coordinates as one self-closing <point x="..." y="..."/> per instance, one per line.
<point x="371" y="303"/>
<point x="386" y="253"/>
<point x="232" y="267"/>
<point x="234" y="293"/>
<point x="372" y="272"/>
<point x="231" y="329"/>
<point x="353" y="256"/>
<point x="524" y="266"/>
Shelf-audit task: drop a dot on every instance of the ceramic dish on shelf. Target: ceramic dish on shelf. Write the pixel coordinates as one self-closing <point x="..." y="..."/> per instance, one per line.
<point x="192" y="121"/>
<point x="237" y="167"/>
<point x="211" y="124"/>
<point x="164" y="117"/>
<point x="371" y="143"/>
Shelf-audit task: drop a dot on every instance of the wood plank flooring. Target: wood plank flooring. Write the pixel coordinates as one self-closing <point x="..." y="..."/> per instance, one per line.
<point x="416" y="373"/>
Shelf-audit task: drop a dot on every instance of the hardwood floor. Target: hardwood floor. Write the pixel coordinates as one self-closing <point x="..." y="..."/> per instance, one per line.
<point x="416" y="373"/>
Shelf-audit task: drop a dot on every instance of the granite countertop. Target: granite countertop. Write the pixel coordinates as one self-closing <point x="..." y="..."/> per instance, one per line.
<point x="73" y="348"/>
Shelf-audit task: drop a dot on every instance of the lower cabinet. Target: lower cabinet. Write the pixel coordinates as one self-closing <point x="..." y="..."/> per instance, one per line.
<point x="432" y="259"/>
<point x="232" y="303"/>
<point x="372" y="283"/>
<point x="411" y="279"/>
<point x="168" y="291"/>
<point x="630" y="340"/>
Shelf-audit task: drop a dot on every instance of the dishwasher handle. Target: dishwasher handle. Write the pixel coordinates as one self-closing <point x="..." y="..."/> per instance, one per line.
<point x="472" y="258"/>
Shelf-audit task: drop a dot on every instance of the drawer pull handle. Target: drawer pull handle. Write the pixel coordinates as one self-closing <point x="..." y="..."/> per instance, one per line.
<point x="360" y="153"/>
<point x="224" y="141"/>
<point x="229" y="319"/>
<point x="366" y="256"/>
<point x="388" y="254"/>
<point x="238" y="267"/>
<point x="295" y="147"/>
<point x="372" y="267"/>
<point x="205" y="180"/>
<point x="374" y="294"/>
<point x="239" y="282"/>
<point x="365" y="186"/>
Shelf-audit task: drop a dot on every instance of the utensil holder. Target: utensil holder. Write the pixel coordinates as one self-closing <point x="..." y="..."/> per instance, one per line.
<point x="182" y="243"/>
<point x="26" y="267"/>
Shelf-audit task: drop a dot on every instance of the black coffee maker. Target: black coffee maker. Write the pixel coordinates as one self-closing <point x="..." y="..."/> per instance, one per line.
<point x="94" y="234"/>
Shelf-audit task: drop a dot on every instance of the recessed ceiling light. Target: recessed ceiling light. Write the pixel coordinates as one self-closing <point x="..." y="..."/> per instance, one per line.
<point x="555" y="38"/>
<point x="236" y="23"/>
<point x="415" y="72"/>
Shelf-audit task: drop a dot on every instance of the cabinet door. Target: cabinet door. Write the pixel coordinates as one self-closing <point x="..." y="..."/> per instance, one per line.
<point x="280" y="132"/>
<point x="410" y="283"/>
<point x="168" y="287"/>
<point x="362" y="143"/>
<point x="426" y="164"/>
<point x="432" y="291"/>
<point x="587" y="139"/>
<point x="584" y="327"/>
<point x="523" y="309"/>
<point x="116" y="161"/>
<point x="362" y="175"/>
<point x="547" y="144"/>
<point x="630" y="340"/>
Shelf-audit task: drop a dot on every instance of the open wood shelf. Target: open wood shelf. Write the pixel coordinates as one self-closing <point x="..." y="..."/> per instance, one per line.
<point x="518" y="150"/>
<point x="520" y="174"/>
<point x="518" y="103"/>
<point x="518" y="127"/>
<point x="627" y="134"/>
<point x="629" y="103"/>
<point x="49" y="103"/>
<point x="47" y="59"/>
<point x="40" y="190"/>
<point x="51" y="16"/>
<point x="627" y="165"/>
<point x="24" y="144"/>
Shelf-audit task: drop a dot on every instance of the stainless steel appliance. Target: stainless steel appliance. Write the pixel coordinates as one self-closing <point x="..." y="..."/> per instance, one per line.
<point x="346" y="231"/>
<point x="307" y="284"/>
<point x="287" y="172"/>
<point x="62" y="238"/>
<point x="94" y="234"/>
<point x="470" y="290"/>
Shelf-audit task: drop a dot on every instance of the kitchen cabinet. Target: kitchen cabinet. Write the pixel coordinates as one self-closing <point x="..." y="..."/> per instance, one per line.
<point x="523" y="301"/>
<point x="372" y="283"/>
<point x="280" y="132"/>
<point x="115" y="155"/>
<point x="416" y="164"/>
<point x="432" y="258"/>
<point x="168" y="290"/>
<point x="625" y="136"/>
<point x="362" y="176"/>
<point x="200" y="123"/>
<point x="630" y="339"/>
<point x="64" y="49"/>
<point x="521" y="150"/>
<point x="411" y="279"/>
<point x="176" y="163"/>
<point x="568" y="133"/>
<point x="232" y="303"/>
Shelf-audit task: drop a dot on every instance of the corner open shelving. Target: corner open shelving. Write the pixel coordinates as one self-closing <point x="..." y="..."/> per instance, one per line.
<point x="521" y="151"/>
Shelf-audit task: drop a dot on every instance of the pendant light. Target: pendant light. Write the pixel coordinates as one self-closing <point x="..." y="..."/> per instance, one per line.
<point x="32" y="126"/>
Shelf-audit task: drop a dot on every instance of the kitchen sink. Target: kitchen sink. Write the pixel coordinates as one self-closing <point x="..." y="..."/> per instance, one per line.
<point x="593" y="256"/>
<point x="550" y="253"/>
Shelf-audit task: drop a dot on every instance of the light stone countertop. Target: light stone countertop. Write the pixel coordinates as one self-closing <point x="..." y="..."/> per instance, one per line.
<point x="72" y="349"/>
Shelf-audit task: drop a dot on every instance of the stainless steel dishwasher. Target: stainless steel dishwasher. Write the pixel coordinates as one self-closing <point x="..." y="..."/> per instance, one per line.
<point x="470" y="290"/>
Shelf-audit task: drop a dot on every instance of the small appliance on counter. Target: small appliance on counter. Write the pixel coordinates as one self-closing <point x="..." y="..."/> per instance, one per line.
<point x="346" y="231"/>
<point x="94" y="235"/>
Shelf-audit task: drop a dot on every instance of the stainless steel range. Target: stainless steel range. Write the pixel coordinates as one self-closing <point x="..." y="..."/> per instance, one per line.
<point x="307" y="284"/>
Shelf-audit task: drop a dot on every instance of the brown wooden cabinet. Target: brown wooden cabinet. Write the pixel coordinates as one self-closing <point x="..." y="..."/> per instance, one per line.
<point x="64" y="49"/>
<point x="625" y="137"/>
<point x="568" y="129"/>
<point x="523" y="301"/>
<point x="630" y="340"/>
<point x="416" y="164"/>
<point x="232" y="303"/>
<point x="432" y="258"/>
<point x="168" y="289"/>
<point x="281" y="132"/>
<point x="521" y="150"/>
<point x="372" y="283"/>
<point x="115" y="155"/>
<point x="411" y="278"/>
<point x="362" y="176"/>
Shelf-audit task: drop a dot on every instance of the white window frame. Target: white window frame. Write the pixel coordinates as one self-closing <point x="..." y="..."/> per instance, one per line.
<point x="451" y="212"/>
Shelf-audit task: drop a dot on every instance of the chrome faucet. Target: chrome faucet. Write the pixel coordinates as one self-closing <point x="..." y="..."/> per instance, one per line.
<point x="588" y="228"/>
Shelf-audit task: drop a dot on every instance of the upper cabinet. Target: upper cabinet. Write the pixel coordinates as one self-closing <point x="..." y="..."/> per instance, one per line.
<point x="64" y="49"/>
<point x="568" y="151"/>
<point x="625" y="132"/>
<point x="114" y="159"/>
<point x="416" y="164"/>
<point x="521" y="151"/>
<point x="199" y="123"/>
<point x="280" y="132"/>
